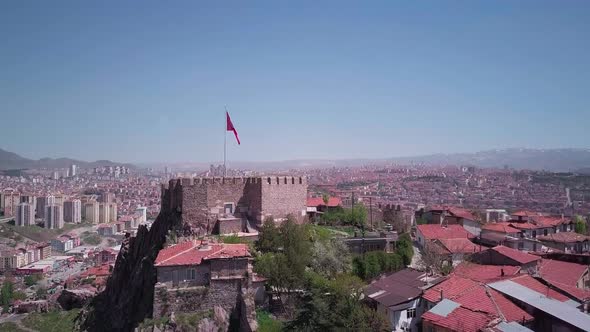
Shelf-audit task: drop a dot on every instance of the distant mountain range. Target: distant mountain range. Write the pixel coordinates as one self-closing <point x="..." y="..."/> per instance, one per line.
<point x="11" y="160"/>
<point x="557" y="160"/>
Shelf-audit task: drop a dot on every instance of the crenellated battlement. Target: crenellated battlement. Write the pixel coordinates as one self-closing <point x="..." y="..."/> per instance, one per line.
<point x="267" y="180"/>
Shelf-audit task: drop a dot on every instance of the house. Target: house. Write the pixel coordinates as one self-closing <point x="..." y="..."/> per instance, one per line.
<point x="382" y="241"/>
<point x="316" y="206"/>
<point x="430" y="232"/>
<point x="571" y="274"/>
<point x="485" y="273"/>
<point x="498" y="233"/>
<point x="105" y="256"/>
<point x="217" y="274"/>
<point x="62" y="244"/>
<point x="553" y="311"/>
<point x="567" y="242"/>
<point x="501" y="255"/>
<point x="106" y="229"/>
<point x="451" y="215"/>
<point x="398" y="297"/>
<point x="461" y="304"/>
<point x="456" y="250"/>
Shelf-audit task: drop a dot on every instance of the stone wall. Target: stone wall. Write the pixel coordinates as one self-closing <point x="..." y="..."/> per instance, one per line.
<point x="201" y="200"/>
<point x="223" y="293"/>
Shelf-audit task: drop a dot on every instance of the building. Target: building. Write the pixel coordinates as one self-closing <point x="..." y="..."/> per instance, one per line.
<point x="107" y="197"/>
<point x="62" y="244"/>
<point x="501" y="255"/>
<point x="73" y="211"/>
<point x="25" y="215"/>
<point x="203" y="201"/>
<point x="141" y="211"/>
<point x="215" y="272"/>
<point x="92" y="212"/>
<point x="104" y="213"/>
<point x="31" y="199"/>
<point x="113" y="212"/>
<point x="398" y="296"/>
<point x="372" y="241"/>
<point x="11" y="201"/>
<point x="73" y="170"/>
<point x="454" y="251"/>
<point x="106" y="229"/>
<point x="567" y="242"/>
<point x="54" y="218"/>
<point x="451" y="215"/>
<point x="430" y="232"/>
<point x="42" y="202"/>
<point x="565" y="273"/>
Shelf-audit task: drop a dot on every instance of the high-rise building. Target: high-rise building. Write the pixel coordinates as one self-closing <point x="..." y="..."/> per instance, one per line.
<point x="54" y="216"/>
<point x="25" y="214"/>
<point x="73" y="211"/>
<point x="113" y="212"/>
<point x="42" y="202"/>
<point x="142" y="212"/>
<point x="29" y="199"/>
<point x="11" y="201"/>
<point x="106" y="197"/>
<point x="91" y="212"/>
<point x="104" y="213"/>
<point x="73" y="170"/>
<point x="60" y="199"/>
<point x="56" y="175"/>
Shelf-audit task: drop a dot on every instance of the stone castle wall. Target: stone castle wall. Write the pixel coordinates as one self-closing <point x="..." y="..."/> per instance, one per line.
<point x="201" y="200"/>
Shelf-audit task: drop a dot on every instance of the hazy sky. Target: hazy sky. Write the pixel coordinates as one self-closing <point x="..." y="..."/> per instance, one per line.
<point x="148" y="81"/>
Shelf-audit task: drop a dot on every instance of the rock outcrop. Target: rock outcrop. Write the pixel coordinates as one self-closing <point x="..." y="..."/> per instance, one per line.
<point x="128" y="296"/>
<point x="75" y="298"/>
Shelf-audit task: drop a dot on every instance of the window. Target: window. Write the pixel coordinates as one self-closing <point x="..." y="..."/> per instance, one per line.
<point x="545" y="231"/>
<point x="520" y="245"/>
<point x="534" y="234"/>
<point x="228" y="208"/>
<point x="191" y="274"/>
<point x="411" y="313"/>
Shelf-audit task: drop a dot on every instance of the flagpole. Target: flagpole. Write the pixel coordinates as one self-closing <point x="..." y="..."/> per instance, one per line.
<point x="225" y="143"/>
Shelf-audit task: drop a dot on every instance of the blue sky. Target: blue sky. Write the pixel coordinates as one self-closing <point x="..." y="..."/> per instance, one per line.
<point x="148" y="81"/>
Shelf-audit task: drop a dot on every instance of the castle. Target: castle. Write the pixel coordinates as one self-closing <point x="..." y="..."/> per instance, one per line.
<point x="230" y="205"/>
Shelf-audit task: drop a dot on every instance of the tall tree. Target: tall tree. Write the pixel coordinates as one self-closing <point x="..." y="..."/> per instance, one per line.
<point x="580" y="225"/>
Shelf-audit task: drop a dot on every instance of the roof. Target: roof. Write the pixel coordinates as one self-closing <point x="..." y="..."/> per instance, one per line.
<point x="476" y="296"/>
<point x="455" y="211"/>
<point x="500" y="227"/>
<point x="562" y="272"/>
<point x="564" y="237"/>
<point x="550" y="220"/>
<point x="194" y="252"/>
<point x="435" y="231"/>
<point x="565" y="313"/>
<point x="511" y="327"/>
<point x="537" y="286"/>
<point x="526" y="213"/>
<point x="460" y="245"/>
<point x="397" y="287"/>
<point x="516" y="255"/>
<point x="319" y="201"/>
<point x="459" y="319"/>
<point x="484" y="273"/>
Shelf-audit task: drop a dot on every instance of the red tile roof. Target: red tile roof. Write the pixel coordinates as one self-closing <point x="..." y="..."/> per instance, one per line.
<point x="455" y="211"/>
<point x="562" y="272"/>
<point x="193" y="253"/>
<point x="460" y="319"/>
<point x="485" y="273"/>
<point x="516" y="255"/>
<point x="525" y="213"/>
<point x="435" y="231"/>
<point x="550" y="221"/>
<point x="510" y="311"/>
<point x="501" y="227"/>
<point x="319" y="201"/>
<point x="564" y="237"/>
<point x="452" y="287"/>
<point x="533" y="284"/>
<point x="460" y="245"/>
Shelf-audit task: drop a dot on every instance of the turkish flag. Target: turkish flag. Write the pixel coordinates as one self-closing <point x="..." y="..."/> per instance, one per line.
<point x="230" y="127"/>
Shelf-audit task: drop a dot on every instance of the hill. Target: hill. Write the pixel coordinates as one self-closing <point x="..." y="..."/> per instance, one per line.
<point x="11" y="160"/>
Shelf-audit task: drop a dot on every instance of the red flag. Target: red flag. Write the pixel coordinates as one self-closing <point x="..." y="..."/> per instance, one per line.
<point x="230" y="127"/>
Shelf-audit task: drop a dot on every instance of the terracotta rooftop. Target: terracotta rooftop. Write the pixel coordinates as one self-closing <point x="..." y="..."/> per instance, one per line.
<point x="516" y="255"/>
<point x="564" y="237"/>
<point x="485" y="273"/>
<point x="534" y="284"/>
<point x="194" y="252"/>
<point x="501" y="227"/>
<point x="435" y="231"/>
<point x="460" y="245"/>
<point x="562" y="272"/>
<point x="319" y="201"/>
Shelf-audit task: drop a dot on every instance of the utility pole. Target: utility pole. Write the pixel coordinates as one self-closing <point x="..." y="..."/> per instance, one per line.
<point x="371" y="211"/>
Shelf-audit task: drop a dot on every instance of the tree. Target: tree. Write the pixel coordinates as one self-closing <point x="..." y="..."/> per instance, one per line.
<point x="405" y="248"/>
<point x="6" y="294"/>
<point x="580" y="225"/>
<point x="325" y="198"/>
<point x="330" y="258"/>
<point x="374" y="263"/>
<point x="432" y="261"/>
<point x="269" y="237"/>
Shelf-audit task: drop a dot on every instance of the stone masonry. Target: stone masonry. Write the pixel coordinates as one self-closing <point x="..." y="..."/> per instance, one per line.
<point x="202" y="202"/>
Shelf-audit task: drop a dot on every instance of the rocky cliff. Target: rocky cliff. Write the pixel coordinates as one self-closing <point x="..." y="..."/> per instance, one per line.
<point x="128" y="297"/>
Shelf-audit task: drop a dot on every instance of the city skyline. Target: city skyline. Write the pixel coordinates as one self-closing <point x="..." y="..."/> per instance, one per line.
<point x="340" y="81"/>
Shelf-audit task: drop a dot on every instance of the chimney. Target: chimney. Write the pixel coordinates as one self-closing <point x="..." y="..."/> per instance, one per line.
<point x="502" y="272"/>
<point x="441" y="295"/>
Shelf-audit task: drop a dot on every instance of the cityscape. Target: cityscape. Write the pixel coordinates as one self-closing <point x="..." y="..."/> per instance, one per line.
<point x="407" y="167"/>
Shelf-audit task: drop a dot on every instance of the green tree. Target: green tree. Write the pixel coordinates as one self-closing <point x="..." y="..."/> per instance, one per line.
<point x="330" y="258"/>
<point x="269" y="237"/>
<point x="6" y="293"/>
<point x="325" y="198"/>
<point x="405" y="248"/>
<point x="580" y="225"/>
<point x="375" y="263"/>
